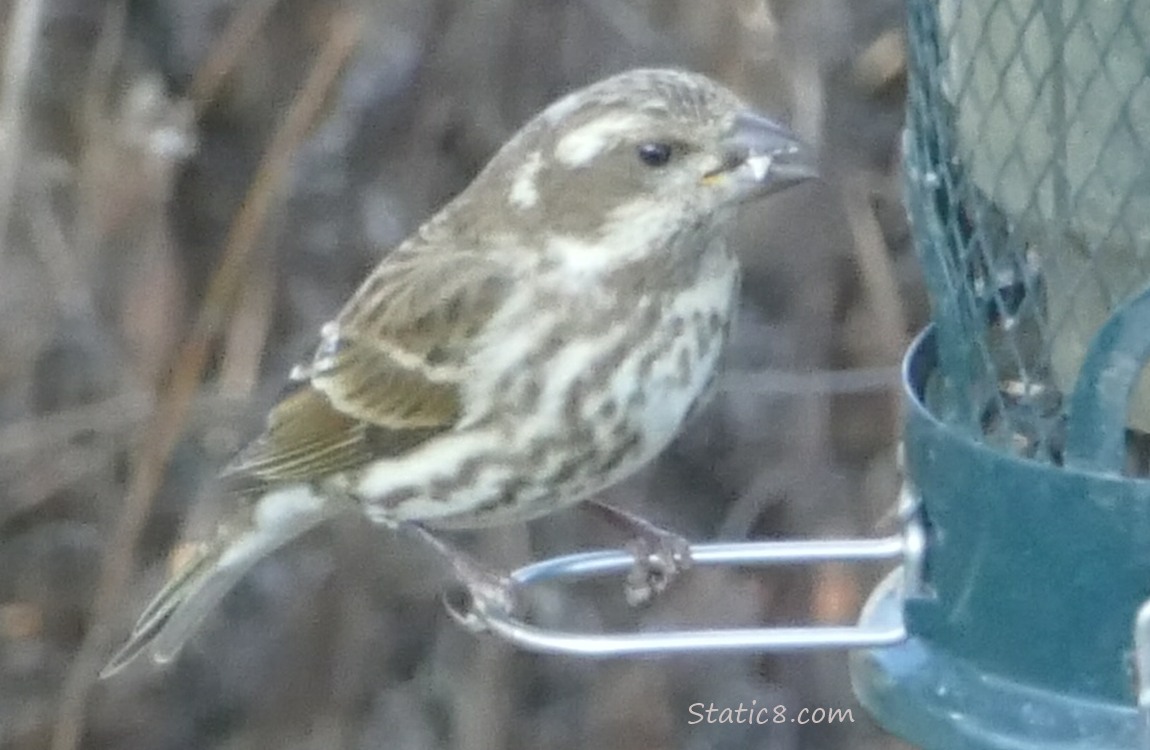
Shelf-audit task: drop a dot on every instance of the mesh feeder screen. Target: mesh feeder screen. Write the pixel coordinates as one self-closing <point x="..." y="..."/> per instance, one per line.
<point x="1027" y="157"/>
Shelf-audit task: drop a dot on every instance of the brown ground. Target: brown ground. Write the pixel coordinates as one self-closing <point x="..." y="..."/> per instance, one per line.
<point x="132" y="161"/>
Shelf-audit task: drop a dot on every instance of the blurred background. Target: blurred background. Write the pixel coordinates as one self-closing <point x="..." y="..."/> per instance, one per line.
<point x="190" y="188"/>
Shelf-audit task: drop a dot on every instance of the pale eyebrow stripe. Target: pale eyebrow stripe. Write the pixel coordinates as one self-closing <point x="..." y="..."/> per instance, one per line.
<point x="587" y="141"/>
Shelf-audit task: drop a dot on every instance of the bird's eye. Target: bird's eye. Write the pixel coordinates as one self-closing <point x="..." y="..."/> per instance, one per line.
<point x="655" y="154"/>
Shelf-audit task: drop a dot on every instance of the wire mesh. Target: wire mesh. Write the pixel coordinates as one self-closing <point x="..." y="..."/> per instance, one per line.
<point x="1029" y="193"/>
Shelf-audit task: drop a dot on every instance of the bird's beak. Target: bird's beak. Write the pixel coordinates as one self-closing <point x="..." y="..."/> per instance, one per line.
<point x="761" y="157"/>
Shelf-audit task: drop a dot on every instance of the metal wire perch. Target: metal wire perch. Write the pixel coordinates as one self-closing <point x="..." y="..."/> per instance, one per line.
<point x="905" y="546"/>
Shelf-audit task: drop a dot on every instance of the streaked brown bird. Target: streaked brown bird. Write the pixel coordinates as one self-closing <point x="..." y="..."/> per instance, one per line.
<point x="540" y="338"/>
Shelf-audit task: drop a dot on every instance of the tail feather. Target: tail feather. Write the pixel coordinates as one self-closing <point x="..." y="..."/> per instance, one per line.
<point x="188" y="598"/>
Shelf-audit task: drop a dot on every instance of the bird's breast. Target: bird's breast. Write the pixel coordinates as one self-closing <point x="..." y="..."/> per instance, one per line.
<point x="566" y="397"/>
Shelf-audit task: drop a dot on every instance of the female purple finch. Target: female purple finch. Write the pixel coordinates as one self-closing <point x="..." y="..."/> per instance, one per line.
<point x="540" y="338"/>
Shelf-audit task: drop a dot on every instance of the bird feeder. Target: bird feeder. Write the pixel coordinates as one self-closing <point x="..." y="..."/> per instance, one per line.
<point x="1027" y="162"/>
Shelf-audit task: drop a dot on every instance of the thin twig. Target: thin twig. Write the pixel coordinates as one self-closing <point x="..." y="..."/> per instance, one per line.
<point x="247" y="337"/>
<point x="20" y="50"/>
<point x="117" y="414"/>
<point x="225" y="53"/>
<point x="68" y="280"/>
<point x="808" y="89"/>
<point x="102" y="71"/>
<point x="172" y="410"/>
<point x="874" y="261"/>
<point x="97" y="126"/>
<point x="106" y="417"/>
<point x="87" y="465"/>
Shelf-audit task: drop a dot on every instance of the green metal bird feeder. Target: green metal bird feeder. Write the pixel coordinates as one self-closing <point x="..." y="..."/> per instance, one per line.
<point x="1027" y="160"/>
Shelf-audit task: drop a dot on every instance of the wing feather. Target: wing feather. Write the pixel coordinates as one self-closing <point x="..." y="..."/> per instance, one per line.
<point x="386" y="377"/>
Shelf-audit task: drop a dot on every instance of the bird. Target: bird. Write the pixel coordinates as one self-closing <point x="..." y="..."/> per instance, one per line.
<point x="544" y="335"/>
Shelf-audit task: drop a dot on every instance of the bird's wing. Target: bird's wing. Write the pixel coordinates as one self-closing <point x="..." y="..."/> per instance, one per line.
<point x="387" y="375"/>
<point x="386" y="378"/>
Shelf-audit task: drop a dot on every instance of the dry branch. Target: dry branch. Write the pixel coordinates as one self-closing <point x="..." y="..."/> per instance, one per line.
<point x="171" y="414"/>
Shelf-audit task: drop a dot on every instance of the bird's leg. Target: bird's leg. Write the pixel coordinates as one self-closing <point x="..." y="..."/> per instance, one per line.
<point x="660" y="555"/>
<point x="487" y="590"/>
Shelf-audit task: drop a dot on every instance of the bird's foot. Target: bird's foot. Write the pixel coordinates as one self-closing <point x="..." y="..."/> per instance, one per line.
<point x="660" y="555"/>
<point x="483" y="589"/>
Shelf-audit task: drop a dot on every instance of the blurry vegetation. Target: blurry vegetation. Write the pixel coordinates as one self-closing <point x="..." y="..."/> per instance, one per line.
<point x="172" y="239"/>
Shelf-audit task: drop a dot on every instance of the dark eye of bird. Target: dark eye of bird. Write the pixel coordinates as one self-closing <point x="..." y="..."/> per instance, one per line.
<point x="655" y="154"/>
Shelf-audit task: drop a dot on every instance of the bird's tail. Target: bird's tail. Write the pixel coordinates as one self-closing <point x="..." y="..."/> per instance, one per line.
<point x="193" y="592"/>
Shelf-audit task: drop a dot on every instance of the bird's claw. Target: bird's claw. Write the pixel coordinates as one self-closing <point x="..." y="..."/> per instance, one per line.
<point x="481" y="591"/>
<point x="660" y="556"/>
<point x="480" y="594"/>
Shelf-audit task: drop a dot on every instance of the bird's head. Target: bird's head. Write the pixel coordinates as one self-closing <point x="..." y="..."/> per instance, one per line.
<point x="648" y="149"/>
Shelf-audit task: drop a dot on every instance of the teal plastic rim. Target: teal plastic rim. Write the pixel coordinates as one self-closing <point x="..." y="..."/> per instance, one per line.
<point x="1033" y="575"/>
